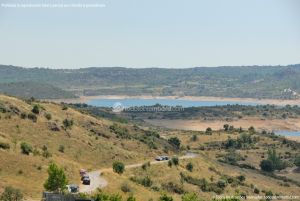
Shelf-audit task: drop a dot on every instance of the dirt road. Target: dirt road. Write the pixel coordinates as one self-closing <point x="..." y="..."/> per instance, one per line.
<point x="97" y="181"/>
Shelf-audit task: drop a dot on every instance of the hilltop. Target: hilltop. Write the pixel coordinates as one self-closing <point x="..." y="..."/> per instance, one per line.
<point x="275" y="82"/>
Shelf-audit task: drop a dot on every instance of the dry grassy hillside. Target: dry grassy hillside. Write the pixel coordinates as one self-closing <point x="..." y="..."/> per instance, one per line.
<point x="89" y="143"/>
<point x="237" y="168"/>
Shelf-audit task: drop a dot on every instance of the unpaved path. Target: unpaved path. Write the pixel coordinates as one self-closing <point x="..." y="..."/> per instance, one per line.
<point x="97" y="181"/>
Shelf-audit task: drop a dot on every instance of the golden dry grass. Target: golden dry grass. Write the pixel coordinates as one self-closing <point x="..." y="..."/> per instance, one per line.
<point x="82" y="148"/>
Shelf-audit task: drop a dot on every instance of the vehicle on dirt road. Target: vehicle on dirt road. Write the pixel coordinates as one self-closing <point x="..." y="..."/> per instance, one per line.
<point x="73" y="188"/>
<point x="86" y="181"/>
<point x="84" y="176"/>
<point x="162" y="158"/>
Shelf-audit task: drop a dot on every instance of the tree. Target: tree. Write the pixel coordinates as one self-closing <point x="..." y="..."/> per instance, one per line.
<point x="57" y="179"/>
<point x="194" y="138"/>
<point x="175" y="142"/>
<point x="267" y="165"/>
<point x="208" y="131"/>
<point x="11" y="194"/>
<point x="189" y="167"/>
<point x="277" y="162"/>
<point x="68" y="123"/>
<point x="118" y="167"/>
<point x="297" y="161"/>
<point x="26" y="148"/>
<point x="190" y="197"/>
<point x="164" y="197"/>
<point x="226" y="127"/>
<point x="251" y="129"/>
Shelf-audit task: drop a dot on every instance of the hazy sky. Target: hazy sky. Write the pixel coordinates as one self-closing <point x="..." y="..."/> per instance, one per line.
<point x="151" y="33"/>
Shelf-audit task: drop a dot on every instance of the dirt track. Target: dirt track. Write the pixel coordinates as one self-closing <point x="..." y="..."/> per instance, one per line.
<point x="97" y="181"/>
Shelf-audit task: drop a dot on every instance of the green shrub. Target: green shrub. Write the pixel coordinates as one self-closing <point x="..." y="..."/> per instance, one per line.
<point x="120" y="131"/>
<point x="32" y="117"/>
<point x="48" y="116"/>
<point x="256" y="190"/>
<point x="175" y="142"/>
<point x="26" y="148"/>
<point x="147" y="182"/>
<point x="118" y="167"/>
<point x="146" y="165"/>
<point x="222" y="184"/>
<point x="125" y="188"/>
<point x="64" y="107"/>
<point x="173" y="188"/>
<point x="190" y="197"/>
<point x="175" y="160"/>
<point x="61" y="148"/>
<point x="11" y="194"/>
<point x="241" y="178"/>
<point x="267" y="165"/>
<point x="68" y="123"/>
<point x="46" y="154"/>
<point x="23" y="115"/>
<point x="194" y="138"/>
<point x="36" y="109"/>
<point x="189" y="167"/>
<point x="4" y="145"/>
<point x="131" y="198"/>
<point x="297" y="161"/>
<point x="164" y="197"/>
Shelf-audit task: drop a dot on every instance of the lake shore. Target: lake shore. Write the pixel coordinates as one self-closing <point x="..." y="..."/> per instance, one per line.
<point x="85" y="99"/>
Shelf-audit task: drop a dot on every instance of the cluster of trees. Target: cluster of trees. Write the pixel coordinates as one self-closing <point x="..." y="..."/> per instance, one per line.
<point x="175" y="142"/>
<point x="243" y="141"/>
<point x="273" y="162"/>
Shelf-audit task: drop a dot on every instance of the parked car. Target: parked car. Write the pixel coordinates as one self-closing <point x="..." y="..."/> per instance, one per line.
<point x="162" y="158"/>
<point x="82" y="172"/>
<point x="86" y="181"/>
<point x="84" y="176"/>
<point x="73" y="188"/>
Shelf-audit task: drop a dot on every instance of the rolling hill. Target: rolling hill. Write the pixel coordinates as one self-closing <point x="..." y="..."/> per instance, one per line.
<point x="37" y="90"/>
<point x="82" y="142"/>
<point x="226" y="81"/>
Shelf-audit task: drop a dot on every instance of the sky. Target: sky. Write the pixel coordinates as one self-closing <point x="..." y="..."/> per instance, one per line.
<point x="149" y="33"/>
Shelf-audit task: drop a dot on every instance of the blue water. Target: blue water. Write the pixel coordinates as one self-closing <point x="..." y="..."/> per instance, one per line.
<point x="170" y="102"/>
<point x="288" y="133"/>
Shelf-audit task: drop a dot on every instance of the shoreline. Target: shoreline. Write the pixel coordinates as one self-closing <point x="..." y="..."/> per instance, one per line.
<point x="85" y="99"/>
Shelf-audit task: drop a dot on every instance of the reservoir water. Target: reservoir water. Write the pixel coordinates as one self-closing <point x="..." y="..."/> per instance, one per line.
<point x="288" y="133"/>
<point x="131" y="102"/>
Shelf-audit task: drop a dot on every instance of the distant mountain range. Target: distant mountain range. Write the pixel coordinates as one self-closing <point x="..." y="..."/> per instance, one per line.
<point x="226" y="81"/>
